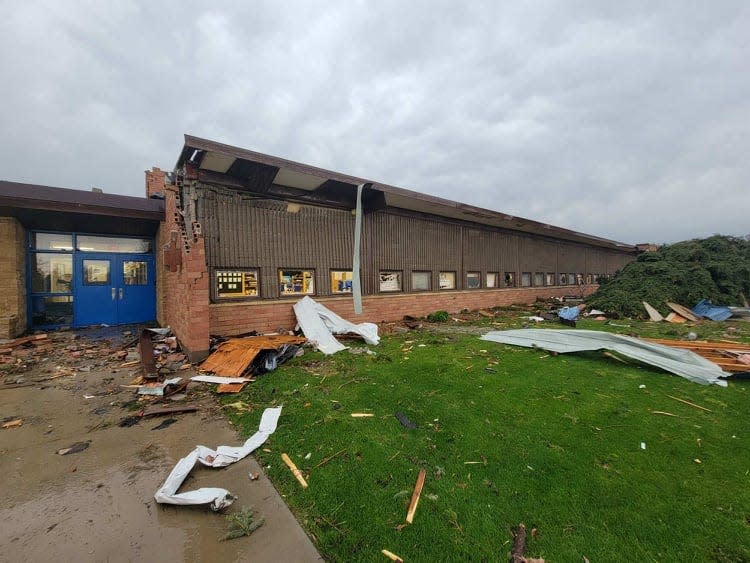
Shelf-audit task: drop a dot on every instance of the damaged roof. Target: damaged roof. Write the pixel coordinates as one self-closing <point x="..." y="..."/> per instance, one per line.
<point x="261" y="173"/>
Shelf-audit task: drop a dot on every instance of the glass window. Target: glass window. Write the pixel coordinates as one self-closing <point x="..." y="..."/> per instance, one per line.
<point x="571" y="279"/>
<point x="52" y="310"/>
<point x="550" y="278"/>
<point x="539" y="279"/>
<point x="236" y="283"/>
<point x="447" y="280"/>
<point x="491" y="279"/>
<point x="52" y="241"/>
<point x="473" y="280"/>
<point x="510" y="279"/>
<point x="563" y="279"/>
<point x="526" y="279"/>
<point x="341" y="281"/>
<point x="135" y="272"/>
<point x="88" y="243"/>
<point x="96" y="272"/>
<point x="51" y="273"/>
<point x="296" y="282"/>
<point x="390" y="281"/>
<point x="421" y="281"/>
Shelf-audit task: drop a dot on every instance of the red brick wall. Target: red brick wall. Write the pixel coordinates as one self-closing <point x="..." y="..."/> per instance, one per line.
<point x="182" y="275"/>
<point x="237" y="318"/>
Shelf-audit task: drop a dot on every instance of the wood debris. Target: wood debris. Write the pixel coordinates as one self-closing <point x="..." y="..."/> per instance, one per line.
<point x="230" y="387"/>
<point x="517" y="553"/>
<point x="729" y="356"/>
<point x="362" y="414"/>
<point x="234" y="356"/>
<point x="296" y="472"/>
<point x="415" y="496"/>
<point x="683" y="312"/>
<point x="15" y="423"/>
<point x="392" y="556"/>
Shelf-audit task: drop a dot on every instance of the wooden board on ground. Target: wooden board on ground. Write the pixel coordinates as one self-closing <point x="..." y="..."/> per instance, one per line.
<point x="683" y="311"/>
<point x="230" y="387"/>
<point x="653" y="314"/>
<point x="728" y="356"/>
<point x="233" y="357"/>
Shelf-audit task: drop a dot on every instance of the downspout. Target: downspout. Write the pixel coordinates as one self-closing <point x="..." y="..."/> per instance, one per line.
<point x="356" y="281"/>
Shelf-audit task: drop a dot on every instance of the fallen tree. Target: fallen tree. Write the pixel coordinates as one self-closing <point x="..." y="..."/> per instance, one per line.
<point x="716" y="268"/>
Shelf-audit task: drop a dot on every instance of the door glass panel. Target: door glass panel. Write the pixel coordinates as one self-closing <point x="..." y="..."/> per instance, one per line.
<point x="96" y="272"/>
<point x="135" y="272"/>
<point x="88" y="243"/>
<point x="52" y="241"/>
<point x="52" y="310"/>
<point x="51" y="273"/>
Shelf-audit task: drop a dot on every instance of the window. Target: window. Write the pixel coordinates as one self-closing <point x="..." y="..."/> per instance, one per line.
<point x="447" y="280"/>
<point x="135" y="272"/>
<point x="473" y="280"/>
<point x="539" y="279"/>
<point x="52" y="241"/>
<point x="296" y="282"/>
<point x="87" y="243"/>
<point x="421" y="281"/>
<point x="510" y="279"/>
<point x="235" y="284"/>
<point x="571" y="279"/>
<point x="390" y="281"/>
<point x="526" y="279"/>
<point x="491" y="279"/>
<point x="51" y="273"/>
<point x="341" y="281"/>
<point x="550" y="278"/>
<point x="96" y="272"/>
<point x="563" y="279"/>
<point x="52" y="310"/>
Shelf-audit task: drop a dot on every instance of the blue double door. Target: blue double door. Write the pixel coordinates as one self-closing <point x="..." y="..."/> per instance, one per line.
<point x="113" y="288"/>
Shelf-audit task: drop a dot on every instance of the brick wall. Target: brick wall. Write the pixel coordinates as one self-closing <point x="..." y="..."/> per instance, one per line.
<point x="237" y="318"/>
<point x="182" y="275"/>
<point x="13" y="318"/>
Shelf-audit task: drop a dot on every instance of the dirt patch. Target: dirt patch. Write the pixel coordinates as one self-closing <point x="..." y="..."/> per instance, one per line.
<point x="97" y="504"/>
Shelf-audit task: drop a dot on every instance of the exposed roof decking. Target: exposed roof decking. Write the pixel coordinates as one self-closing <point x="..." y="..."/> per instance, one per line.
<point x="259" y="172"/>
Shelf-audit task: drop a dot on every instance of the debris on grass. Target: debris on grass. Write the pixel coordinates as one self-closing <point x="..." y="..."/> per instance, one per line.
<point x="392" y="556"/>
<point x="415" y="496"/>
<point x="362" y="414"/>
<point x="405" y="422"/>
<point x="296" y="472"/>
<point x="242" y="523"/>
<point x="518" y="552"/>
<point x="689" y="403"/>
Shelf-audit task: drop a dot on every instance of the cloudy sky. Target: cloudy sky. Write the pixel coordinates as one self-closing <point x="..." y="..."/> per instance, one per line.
<point x="627" y="120"/>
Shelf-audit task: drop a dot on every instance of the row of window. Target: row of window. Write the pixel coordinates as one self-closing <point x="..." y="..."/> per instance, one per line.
<point x="245" y="283"/>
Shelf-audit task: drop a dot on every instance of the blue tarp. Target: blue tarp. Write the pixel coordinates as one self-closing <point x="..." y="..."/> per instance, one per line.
<point x="705" y="308"/>
<point x="569" y="313"/>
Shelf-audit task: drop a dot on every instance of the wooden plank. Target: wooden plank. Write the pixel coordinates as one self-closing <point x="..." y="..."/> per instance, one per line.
<point x="683" y="311"/>
<point x="689" y="403"/>
<point x="230" y="387"/>
<point x="296" y="472"/>
<point x="653" y="314"/>
<point x="415" y="496"/>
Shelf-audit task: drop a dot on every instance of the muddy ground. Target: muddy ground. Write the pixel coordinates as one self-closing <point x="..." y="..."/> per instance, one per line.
<point x="97" y="504"/>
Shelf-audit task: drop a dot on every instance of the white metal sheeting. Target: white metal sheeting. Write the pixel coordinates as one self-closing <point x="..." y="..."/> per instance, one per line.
<point x="221" y="457"/>
<point x="320" y="324"/>
<point x="680" y="362"/>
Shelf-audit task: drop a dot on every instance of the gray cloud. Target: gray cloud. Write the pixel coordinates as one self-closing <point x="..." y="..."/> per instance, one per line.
<point x="624" y="120"/>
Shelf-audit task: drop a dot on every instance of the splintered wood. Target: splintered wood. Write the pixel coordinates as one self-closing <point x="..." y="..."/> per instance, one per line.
<point x="233" y="357"/>
<point x="729" y="356"/>
<point x="296" y="472"/>
<point x="415" y="496"/>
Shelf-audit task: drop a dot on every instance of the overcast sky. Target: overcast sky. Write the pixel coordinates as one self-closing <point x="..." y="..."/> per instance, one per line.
<point x="626" y="120"/>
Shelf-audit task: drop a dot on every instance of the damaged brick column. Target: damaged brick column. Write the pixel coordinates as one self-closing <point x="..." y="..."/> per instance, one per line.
<point x="182" y="274"/>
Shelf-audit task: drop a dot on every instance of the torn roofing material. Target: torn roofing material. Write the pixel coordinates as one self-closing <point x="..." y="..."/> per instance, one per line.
<point x="706" y="309"/>
<point x="680" y="362"/>
<point x="319" y="324"/>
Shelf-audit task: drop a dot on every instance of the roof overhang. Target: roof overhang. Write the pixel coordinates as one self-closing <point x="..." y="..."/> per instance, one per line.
<point x="278" y="177"/>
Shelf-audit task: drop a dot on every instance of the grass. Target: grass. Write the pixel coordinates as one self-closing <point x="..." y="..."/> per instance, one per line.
<point x="508" y="435"/>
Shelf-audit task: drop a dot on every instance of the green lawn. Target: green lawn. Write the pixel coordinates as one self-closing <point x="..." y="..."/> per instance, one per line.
<point x="508" y="435"/>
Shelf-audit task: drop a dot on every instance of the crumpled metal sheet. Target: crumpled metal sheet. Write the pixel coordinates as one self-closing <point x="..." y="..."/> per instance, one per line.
<point x="704" y="308"/>
<point x="220" y="457"/>
<point x="319" y="324"/>
<point x="684" y="363"/>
